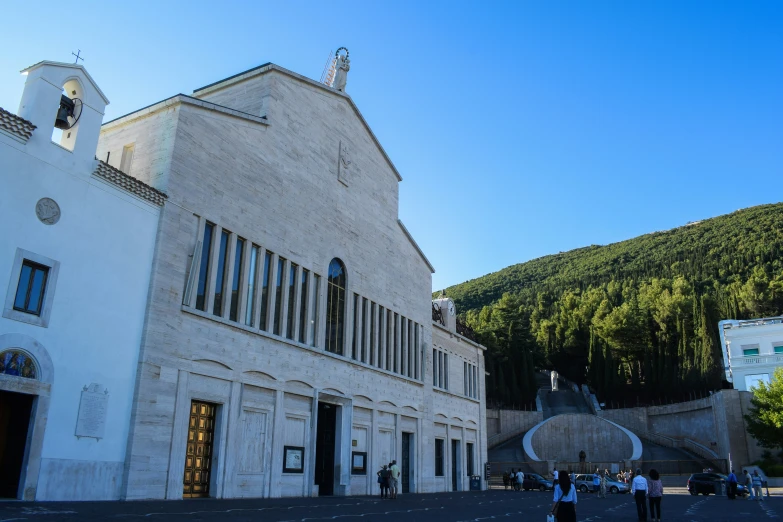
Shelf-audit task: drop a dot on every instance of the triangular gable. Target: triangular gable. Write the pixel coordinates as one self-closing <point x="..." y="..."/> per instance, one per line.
<point x="69" y="66"/>
<point x="263" y="69"/>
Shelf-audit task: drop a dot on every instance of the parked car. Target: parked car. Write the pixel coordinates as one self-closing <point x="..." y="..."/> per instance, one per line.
<point x="614" y="486"/>
<point x="706" y="483"/>
<point x="535" y="481"/>
<point x="584" y="483"/>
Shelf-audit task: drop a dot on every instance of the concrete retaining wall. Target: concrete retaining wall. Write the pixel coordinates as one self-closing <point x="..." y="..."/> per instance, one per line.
<point x="562" y="438"/>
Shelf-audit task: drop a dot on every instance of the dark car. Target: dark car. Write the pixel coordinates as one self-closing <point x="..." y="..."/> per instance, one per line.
<point x="706" y="483"/>
<point x="535" y="481"/>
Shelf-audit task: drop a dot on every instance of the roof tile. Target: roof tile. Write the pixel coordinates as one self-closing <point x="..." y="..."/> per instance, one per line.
<point x="117" y="177"/>
<point x="15" y="125"/>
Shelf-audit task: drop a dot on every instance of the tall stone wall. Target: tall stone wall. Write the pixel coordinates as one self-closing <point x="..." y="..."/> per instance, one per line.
<point x="504" y="421"/>
<point x="564" y="436"/>
<point x="716" y="422"/>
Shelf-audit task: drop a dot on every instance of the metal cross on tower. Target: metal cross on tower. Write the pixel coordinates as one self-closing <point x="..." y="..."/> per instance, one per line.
<point x="76" y="54"/>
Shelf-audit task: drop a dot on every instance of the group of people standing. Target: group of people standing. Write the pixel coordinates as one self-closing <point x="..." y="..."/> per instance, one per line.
<point x="751" y="481"/>
<point x="513" y="479"/>
<point x="388" y="479"/>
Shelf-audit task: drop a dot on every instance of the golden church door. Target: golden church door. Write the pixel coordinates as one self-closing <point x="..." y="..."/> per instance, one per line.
<point x="198" y="461"/>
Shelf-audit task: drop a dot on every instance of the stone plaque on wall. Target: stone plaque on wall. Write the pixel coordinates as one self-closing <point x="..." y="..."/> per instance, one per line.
<point x="93" y="406"/>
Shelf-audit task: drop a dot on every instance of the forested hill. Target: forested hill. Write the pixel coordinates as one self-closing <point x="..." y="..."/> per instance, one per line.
<point x="720" y="248"/>
<point x="643" y="303"/>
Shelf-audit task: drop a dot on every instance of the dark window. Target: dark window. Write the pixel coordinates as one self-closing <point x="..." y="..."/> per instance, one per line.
<point x="31" y="288"/>
<point x="365" y="313"/>
<point x="265" y="281"/>
<point x="373" y="342"/>
<point x="439" y="443"/>
<point x="279" y="297"/>
<point x="217" y="307"/>
<point x="316" y="310"/>
<point x="239" y="252"/>
<point x="396" y="343"/>
<point x="354" y="340"/>
<point x="434" y="367"/>
<point x="469" y="451"/>
<point x="303" y="308"/>
<point x="335" y="307"/>
<point x="289" y="329"/>
<point x="203" y="271"/>
<point x="250" y="303"/>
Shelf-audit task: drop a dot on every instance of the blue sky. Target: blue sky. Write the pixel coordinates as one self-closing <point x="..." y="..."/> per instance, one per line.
<point x="520" y="128"/>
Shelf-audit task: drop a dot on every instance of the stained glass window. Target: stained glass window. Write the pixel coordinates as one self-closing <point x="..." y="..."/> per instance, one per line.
<point x="15" y="362"/>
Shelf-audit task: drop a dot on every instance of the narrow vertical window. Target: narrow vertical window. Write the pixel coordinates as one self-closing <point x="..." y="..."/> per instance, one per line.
<point x="445" y="371"/>
<point x="31" y="288"/>
<point x="365" y="310"/>
<point x="440" y="369"/>
<point x="127" y="158"/>
<point x="203" y="271"/>
<point x="250" y="303"/>
<point x="291" y="298"/>
<point x="355" y="337"/>
<point x="373" y="341"/>
<point x="279" y="297"/>
<point x="411" y="350"/>
<point x="381" y="336"/>
<point x="217" y="307"/>
<point x="434" y="367"/>
<point x="465" y="378"/>
<point x="389" y="339"/>
<point x="239" y="252"/>
<point x="396" y="343"/>
<point x="303" y="307"/>
<point x="419" y="353"/>
<point x="314" y="320"/>
<point x="335" y="307"/>
<point x="265" y="282"/>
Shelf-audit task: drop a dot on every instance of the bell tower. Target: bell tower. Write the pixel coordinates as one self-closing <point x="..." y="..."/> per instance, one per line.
<point x="63" y="96"/>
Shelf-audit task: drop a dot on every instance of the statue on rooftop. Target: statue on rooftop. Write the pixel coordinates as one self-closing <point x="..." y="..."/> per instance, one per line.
<point x="343" y="65"/>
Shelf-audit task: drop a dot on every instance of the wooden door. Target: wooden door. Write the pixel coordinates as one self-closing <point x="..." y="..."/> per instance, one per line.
<point x="198" y="460"/>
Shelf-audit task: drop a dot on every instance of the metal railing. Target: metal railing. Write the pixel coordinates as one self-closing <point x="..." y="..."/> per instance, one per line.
<point x="677" y="467"/>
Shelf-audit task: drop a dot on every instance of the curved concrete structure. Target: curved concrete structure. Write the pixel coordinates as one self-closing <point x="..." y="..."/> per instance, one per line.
<point x="562" y="437"/>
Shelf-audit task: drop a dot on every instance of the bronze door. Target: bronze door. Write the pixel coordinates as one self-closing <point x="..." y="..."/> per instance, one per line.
<point x="198" y="460"/>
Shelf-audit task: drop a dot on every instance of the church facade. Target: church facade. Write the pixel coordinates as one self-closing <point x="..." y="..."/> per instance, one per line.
<point x="75" y="262"/>
<point x="289" y="346"/>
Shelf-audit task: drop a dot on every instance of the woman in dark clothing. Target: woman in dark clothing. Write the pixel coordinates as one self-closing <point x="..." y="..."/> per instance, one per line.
<point x="565" y="493"/>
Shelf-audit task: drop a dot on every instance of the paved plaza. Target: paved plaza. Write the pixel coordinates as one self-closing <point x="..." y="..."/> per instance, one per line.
<point x="446" y="507"/>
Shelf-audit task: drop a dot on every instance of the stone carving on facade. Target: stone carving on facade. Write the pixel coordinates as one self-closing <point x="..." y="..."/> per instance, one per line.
<point x="344" y="162"/>
<point x="343" y="65"/>
<point x="48" y="211"/>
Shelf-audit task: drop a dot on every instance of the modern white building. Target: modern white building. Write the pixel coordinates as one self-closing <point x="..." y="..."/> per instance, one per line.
<point x="75" y="259"/>
<point x="752" y="350"/>
<point x="289" y="345"/>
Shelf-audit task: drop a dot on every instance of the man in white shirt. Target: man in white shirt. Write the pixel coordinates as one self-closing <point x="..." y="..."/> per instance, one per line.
<point x="520" y="479"/>
<point x="639" y="492"/>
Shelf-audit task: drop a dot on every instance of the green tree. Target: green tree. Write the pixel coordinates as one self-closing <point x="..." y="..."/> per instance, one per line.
<point x="765" y="420"/>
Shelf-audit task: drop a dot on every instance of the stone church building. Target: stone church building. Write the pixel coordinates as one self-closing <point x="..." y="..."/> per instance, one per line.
<point x="289" y="347"/>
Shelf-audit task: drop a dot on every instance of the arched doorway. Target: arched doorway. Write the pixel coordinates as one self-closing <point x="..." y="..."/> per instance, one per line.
<point x="26" y="375"/>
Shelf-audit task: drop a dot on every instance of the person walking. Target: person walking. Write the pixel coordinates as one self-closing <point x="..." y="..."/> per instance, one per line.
<point x="564" y="507"/>
<point x="748" y="484"/>
<point x="731" y="482"/>
<point x="394" y="470"/>
<point x="639" y="492"/>
<point x="597" y="482"/>
<point x="756" y="478"/>
<point x="602" y="490"/>
<point x="655" y="494"/>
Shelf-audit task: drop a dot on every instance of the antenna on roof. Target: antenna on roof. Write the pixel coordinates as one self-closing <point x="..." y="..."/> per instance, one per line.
<point x="330" y="68"/>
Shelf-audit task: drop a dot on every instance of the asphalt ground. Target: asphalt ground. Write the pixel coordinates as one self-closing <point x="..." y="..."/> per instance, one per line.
<point x="436" y="507"/>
